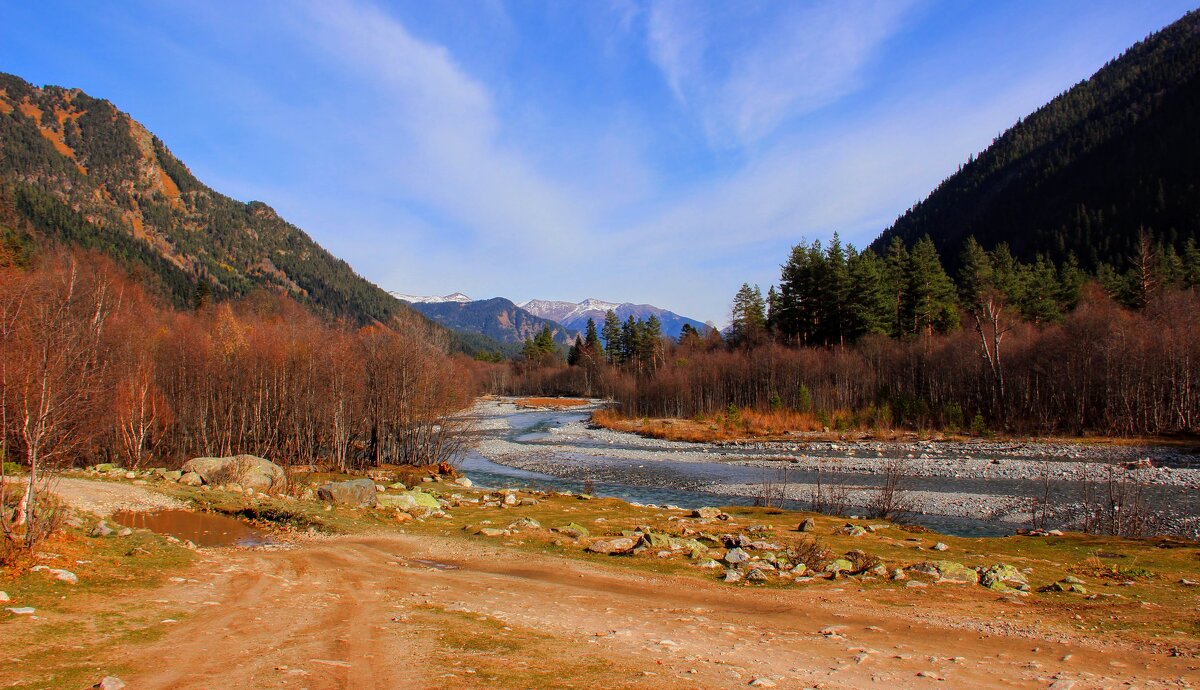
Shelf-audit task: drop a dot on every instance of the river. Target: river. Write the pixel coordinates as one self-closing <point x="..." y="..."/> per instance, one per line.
<point x="974" y="489"/>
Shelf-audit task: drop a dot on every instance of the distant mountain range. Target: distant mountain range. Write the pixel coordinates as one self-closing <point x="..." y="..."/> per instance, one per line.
<point x="417" y="299"/>
<point x="575" y="315"/>
<point x="506" y="322"/>
<point x="497" y="318"/>
<point x="1114" y="156"/>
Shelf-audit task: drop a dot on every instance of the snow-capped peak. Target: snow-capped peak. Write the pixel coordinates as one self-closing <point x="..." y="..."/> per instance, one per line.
<point x="415" y="299"/>
<point x="593" y="304"/>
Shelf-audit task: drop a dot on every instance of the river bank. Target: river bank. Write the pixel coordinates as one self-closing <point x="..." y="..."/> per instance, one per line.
<point x="974" y="480"/>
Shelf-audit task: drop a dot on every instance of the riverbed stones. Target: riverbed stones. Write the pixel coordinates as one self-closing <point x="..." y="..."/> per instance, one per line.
<point x="731" y="541"/>
<point x="839" y="565"/>
<point x="1064" y="585"/>
<point x="947" y="571"/>
<point x="353" y="492"/>
<point x="57" y="573"/>
<point x="614" y="546"/>
<point x="757" y="575"/>
<point x="1003" y="577"/>
<point x="735" y="556"/>
<point x="525" y="523"/>
<point x="572" y="530"/>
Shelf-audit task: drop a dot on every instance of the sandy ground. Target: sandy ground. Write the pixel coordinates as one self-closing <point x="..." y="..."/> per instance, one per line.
<point x="400" y="611"/>
<point x="352" y="612"/>
<point x="106" y="498"/>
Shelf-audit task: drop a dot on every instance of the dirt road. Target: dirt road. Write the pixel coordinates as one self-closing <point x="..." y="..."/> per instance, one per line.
<point x="408" y="612"/>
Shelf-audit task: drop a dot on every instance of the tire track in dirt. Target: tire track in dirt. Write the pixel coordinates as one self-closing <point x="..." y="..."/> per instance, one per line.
<point x="333" y="613"/>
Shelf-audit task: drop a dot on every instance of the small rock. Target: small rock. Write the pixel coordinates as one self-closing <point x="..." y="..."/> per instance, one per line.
<point x="612" y="546"/>
<point x="732" y="576"/>
<point x="110" y="683"/>
<point x="190" y="479"/>
<point x="940" y="547"/>
<point x="125" y="532"/>
<point x="525" y="523"/>
<point x="707" y="513"/>
<point x="839" y="565"/>
<point x="4" y="597"/>
<point x="735" y="556"/>
<point x="808" y="525"/>
<point x="101" y="530"/>
<point x="762" y="683"/>
<point x="21" y="610"/>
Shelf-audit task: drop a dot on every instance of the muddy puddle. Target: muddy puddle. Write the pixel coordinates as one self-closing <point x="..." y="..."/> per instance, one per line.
<point x="204" y="529"/>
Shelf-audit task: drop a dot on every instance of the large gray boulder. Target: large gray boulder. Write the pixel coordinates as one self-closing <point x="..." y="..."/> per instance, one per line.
<point x="246" y="471"/>
<point x="355" y="492"/>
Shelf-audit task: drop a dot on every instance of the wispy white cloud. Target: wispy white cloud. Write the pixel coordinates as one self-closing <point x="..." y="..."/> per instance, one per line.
<point x="434" y="131"/>
<point x="745" y="75"/>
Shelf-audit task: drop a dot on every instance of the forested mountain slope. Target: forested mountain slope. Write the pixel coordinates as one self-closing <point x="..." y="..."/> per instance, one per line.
<point x="1087" y="172"/>
<point x="76" y="170"/>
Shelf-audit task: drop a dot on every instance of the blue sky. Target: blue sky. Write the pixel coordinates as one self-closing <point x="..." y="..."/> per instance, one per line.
<point x="659" y="152"/>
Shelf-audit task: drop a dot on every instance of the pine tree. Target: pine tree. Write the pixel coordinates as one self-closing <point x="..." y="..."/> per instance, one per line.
<point x="1191" y="264"/>
<point x="575" y="354"/>
<point x="749" y="317"/>
<point x="929" y="304"/>
<point x="804" y="295"/>
<point x="772" y="310"/>
<point x="650" y="345"/>
<point x="1040" y="292"/>
<point x="688" y="335"/>
<point x="833" y="298"/>
<point x="592" y="340"/>
<point x="869" y="311"/>
<point x="612" y="337"/>
<point x="895" y="280"/>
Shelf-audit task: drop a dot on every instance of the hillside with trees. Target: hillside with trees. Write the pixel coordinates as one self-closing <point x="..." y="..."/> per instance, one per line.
<point x="76" y="171"/>
<point x="850" y="340"/>
<point x="1087" y="175"/>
